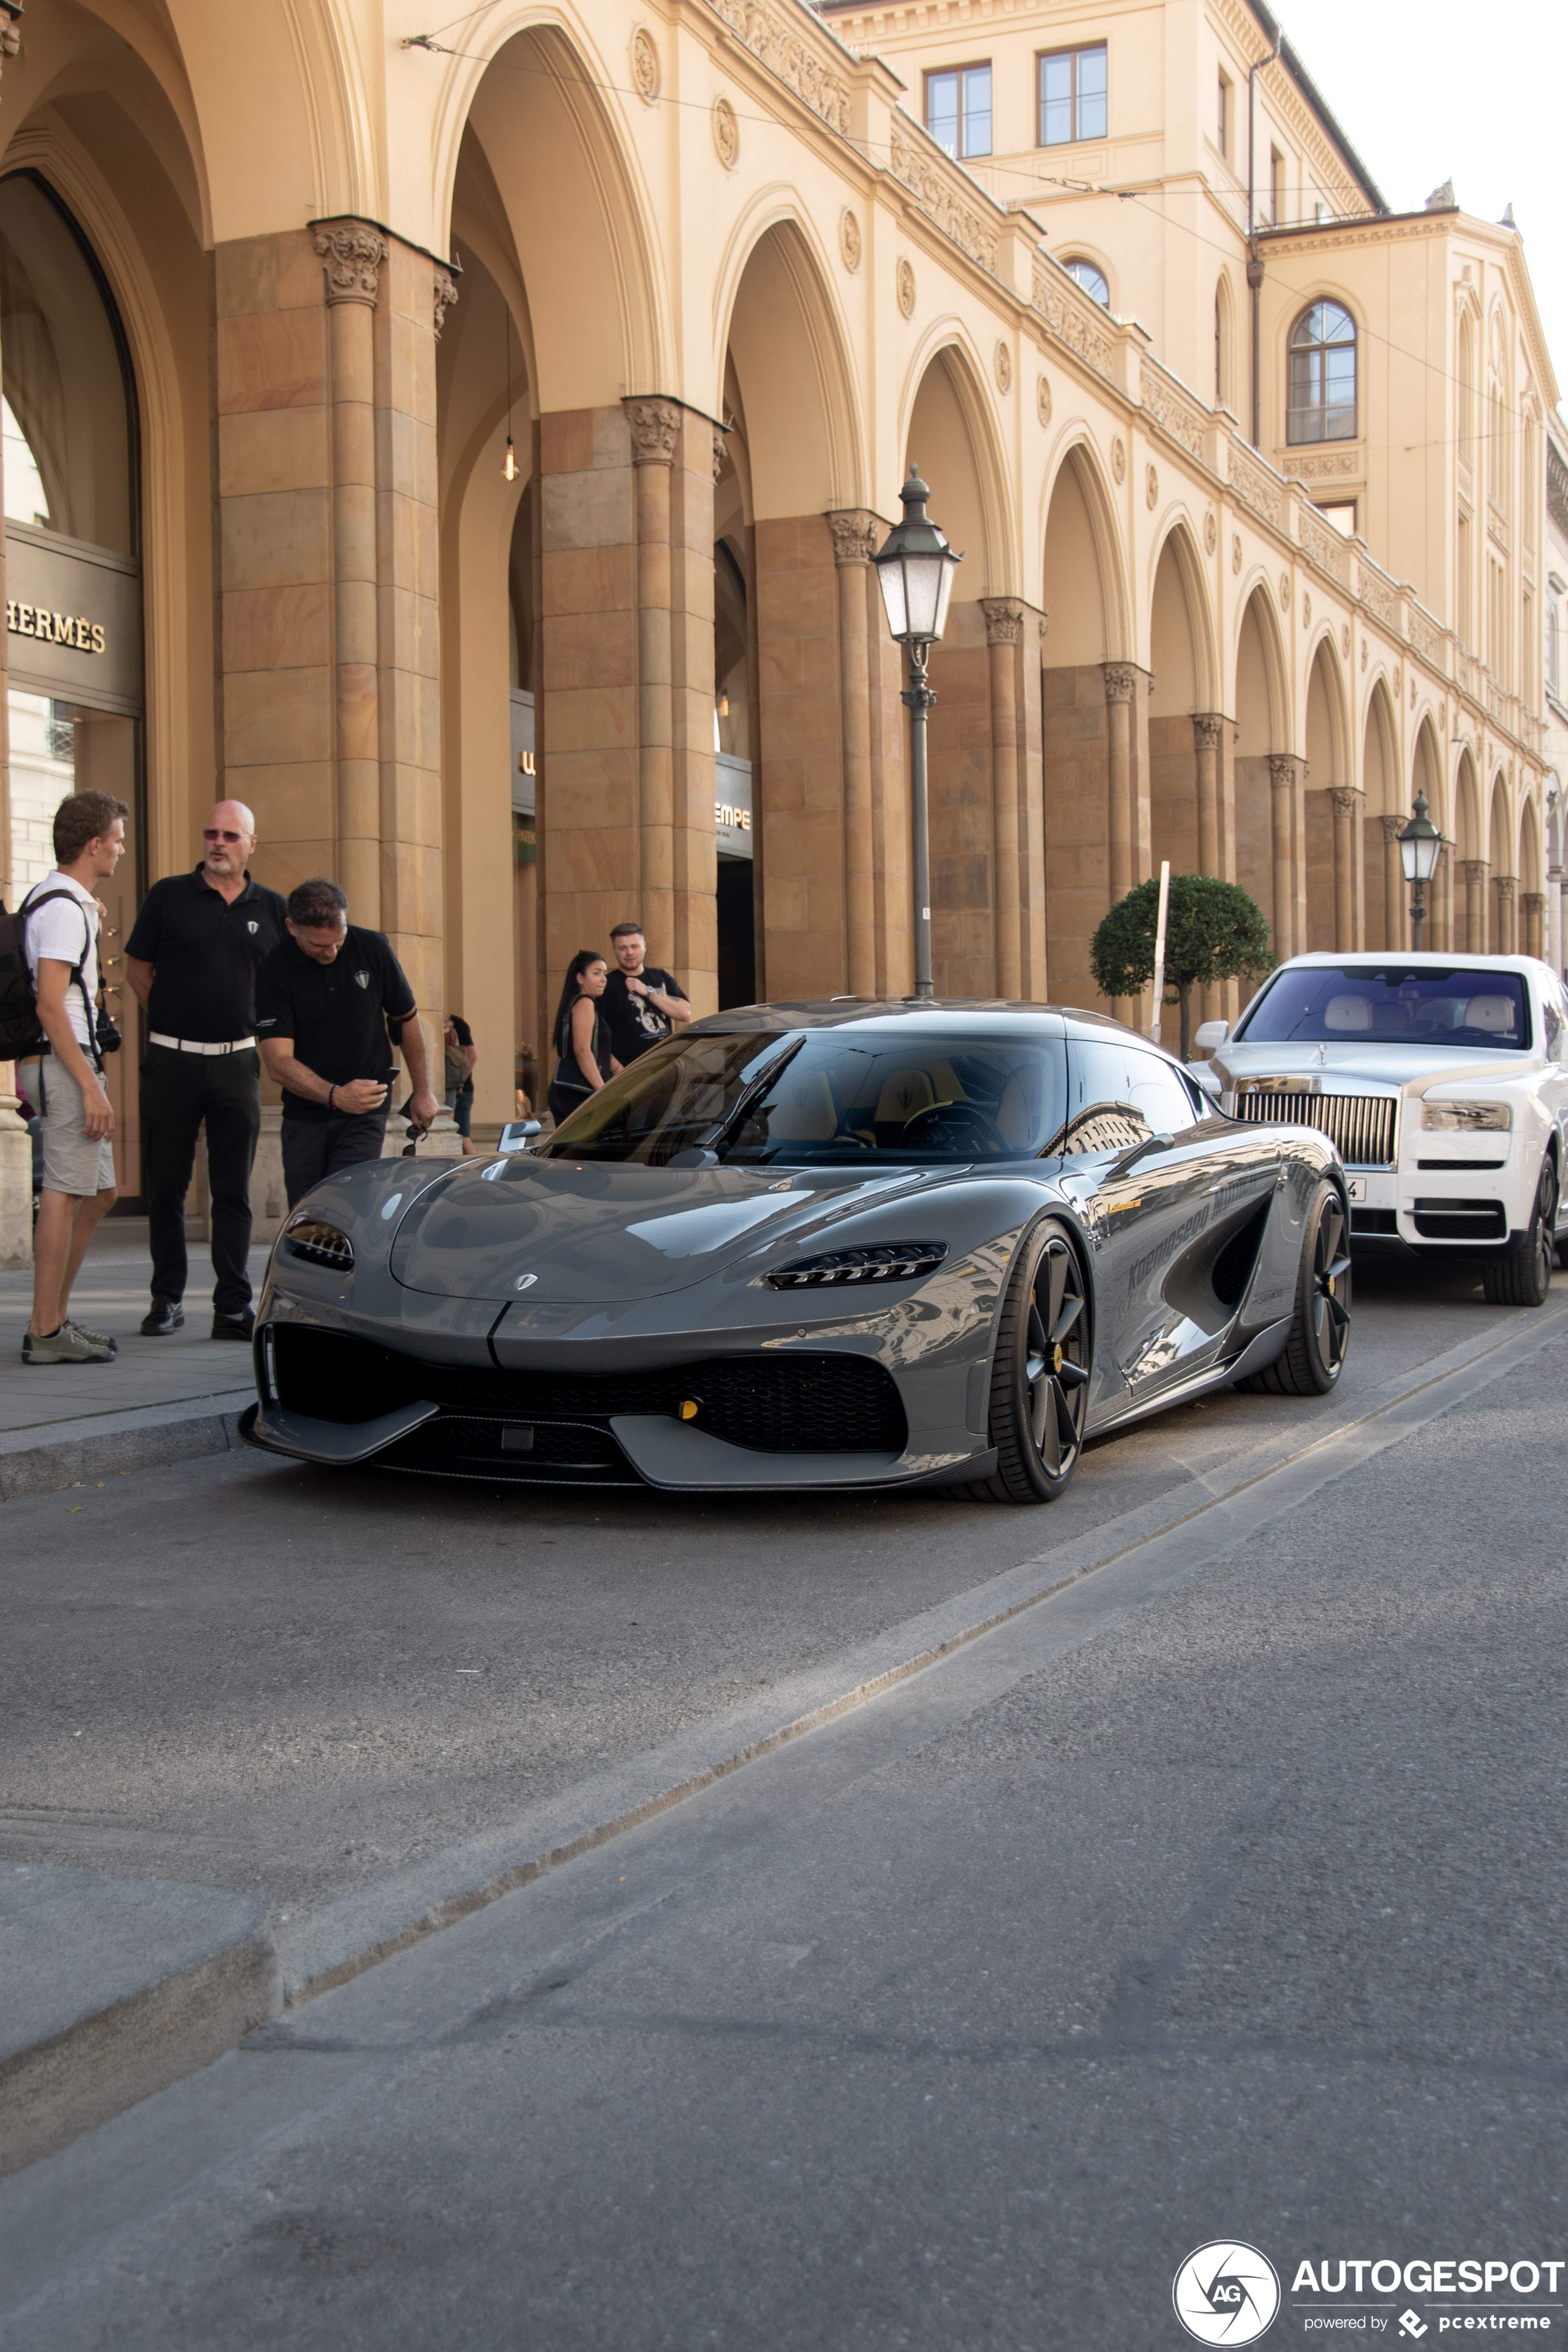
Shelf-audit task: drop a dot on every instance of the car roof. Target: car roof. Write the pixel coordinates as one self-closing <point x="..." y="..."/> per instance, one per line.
<point x="975" y="1017"/>
<point x="1376" y="959"/>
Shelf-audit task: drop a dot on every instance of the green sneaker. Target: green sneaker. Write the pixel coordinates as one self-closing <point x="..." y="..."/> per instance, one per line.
<point x="65" y="1345"/>
<point x="98" y="1338"/>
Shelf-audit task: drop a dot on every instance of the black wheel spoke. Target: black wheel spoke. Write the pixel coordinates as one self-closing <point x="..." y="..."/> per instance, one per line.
<point x="1340" y="1267"/>
<point x="1060" y="1262"/>
<point x="1066" y="1321"/>
<point x="1072" y="1375"/>
<point x="1047" y="1432"/>
<point x="1066" y="1421"/>
<point x="1035" y="1339"/>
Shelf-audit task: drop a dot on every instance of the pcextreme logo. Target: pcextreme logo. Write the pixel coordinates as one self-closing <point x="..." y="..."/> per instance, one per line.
<point x="1225" y="2293"/>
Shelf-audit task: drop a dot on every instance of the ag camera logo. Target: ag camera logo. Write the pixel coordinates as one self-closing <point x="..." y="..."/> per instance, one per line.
<point x="1225" y="2293"/>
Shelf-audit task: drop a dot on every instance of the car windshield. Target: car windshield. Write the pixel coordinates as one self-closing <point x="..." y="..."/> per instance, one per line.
<point x="826" y="1098"/>
<point x="1391" y="1005"/>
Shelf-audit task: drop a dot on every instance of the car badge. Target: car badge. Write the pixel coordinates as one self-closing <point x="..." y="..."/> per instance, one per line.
<point x="364" y="979"/>
<point x="1323" y="1054"/>
<point x="526" y="1281"/>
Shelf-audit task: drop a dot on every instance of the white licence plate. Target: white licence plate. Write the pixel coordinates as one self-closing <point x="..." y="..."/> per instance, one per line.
<point x="1356" y="1187"/>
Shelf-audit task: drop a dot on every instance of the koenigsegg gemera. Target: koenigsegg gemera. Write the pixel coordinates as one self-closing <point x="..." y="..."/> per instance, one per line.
<point x="836" y="1245"/>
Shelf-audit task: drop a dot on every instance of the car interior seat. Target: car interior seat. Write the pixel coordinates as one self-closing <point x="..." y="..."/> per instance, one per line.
<point x="807" y="1112"/>
<point x="902" y="1097"/>
<point x="1347" y="1015"/>
<point x="1498" y="1016"/>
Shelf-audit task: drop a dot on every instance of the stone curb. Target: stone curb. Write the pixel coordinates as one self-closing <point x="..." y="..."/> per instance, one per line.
<point x="56" y="1453"/>
<point x="118" y="1987"/>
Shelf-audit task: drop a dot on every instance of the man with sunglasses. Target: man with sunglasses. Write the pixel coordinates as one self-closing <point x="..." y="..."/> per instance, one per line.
<point x="191" y="960"/>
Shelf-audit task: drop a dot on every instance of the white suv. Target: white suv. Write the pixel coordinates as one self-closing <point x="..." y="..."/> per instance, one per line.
<point x="1444" y="1081"/>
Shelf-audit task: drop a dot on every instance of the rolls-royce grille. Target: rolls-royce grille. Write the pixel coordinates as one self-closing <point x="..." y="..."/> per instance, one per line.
<point x="1364" y="1127"/>
<point x="776" y="1404"/>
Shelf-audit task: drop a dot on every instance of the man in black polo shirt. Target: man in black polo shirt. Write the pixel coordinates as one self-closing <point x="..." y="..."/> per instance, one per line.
<point x="192" y="960"/>
<point x="330" y="1002"/>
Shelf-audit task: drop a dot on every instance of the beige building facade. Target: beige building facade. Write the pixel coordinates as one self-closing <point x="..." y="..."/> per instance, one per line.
<point x="469" y="446"/>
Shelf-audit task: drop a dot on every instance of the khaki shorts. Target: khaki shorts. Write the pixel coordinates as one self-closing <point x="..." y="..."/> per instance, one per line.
<point x="74" y="1162"/>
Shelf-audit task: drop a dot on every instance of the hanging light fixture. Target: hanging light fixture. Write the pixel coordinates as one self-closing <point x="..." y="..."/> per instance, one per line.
<point x="509" y="463"/>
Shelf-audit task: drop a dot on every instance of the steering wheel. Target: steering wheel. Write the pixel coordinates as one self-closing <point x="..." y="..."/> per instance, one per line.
<point x="958" y="1124"/>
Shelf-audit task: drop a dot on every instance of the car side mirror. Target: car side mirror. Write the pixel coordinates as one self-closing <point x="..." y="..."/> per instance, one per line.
<point x="1211" y="1035"/>
<point x="514" y="1135"/>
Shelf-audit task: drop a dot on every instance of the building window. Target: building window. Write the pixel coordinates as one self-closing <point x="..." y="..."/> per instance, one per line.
<point x="1341" y="512"/>
<point x="1323" y="375"/>
<point x="1464" y="601"/>
<point x="1276" y="186"/>
<point x="1092" y="279"/>
<point x="1222" y="122"/>
<point x="1222" y="342"/>
<point x="1554" y="656"/>
<point x="958" y="109"/>
<point x="1072" y="84"/>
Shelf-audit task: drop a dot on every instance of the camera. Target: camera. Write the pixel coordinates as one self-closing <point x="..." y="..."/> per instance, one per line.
<point x="109" y="1040"/>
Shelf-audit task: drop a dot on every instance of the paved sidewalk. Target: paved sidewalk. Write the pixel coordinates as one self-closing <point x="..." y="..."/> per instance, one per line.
<point x="158" y="1400"/>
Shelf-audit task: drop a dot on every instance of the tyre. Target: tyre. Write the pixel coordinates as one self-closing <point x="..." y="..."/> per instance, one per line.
<point x="1039" y="1374"/>
<point x="1522" y="1277"/>
<point x="1314" y="1353"/>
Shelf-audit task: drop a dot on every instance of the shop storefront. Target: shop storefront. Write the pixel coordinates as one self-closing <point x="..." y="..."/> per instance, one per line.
<point x="73" y="574"/>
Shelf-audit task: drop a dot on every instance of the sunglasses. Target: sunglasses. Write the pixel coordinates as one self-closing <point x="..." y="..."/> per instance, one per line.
<point x="211" y="834"/>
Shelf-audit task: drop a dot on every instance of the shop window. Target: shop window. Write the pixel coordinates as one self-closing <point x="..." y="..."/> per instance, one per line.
<point x="958" y="109"/>
<point x="1323" y="375"/>
<point x="1072" y="95"/>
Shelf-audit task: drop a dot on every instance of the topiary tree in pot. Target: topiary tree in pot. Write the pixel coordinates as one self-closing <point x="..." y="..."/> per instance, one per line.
<point x="1214" y="931"/>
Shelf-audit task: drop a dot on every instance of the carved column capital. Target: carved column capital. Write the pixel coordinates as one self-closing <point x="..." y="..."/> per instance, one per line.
<point x="1283" y="769"/>
<point x="1505" y="885"/>
<point x="854" y="534"/>
<point x="1393" y="826"/>
<point x="1476" y="870"/>
<point x="1004" y="620"/>
<point x="719" y="438"/>
<point x="655" y="429"/>
<point x="1121" y="679"/>
<point x="10" y="37"/>
<point x="443" y="293"/>
<point x="353" y="252"/>
<point x="1532" y="901"/>
<point x="1207" y="728"/>
<point x="1345" y="798"/>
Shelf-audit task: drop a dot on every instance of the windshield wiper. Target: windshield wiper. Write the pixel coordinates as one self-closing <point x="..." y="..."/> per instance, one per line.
<point x="703" y="1152"/>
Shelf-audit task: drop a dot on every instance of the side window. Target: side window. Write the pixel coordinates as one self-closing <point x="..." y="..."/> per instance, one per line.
<point x="1102" y="1115"/>
<point x="1160" y="1093"/>
<point x="1551" y="1006"/>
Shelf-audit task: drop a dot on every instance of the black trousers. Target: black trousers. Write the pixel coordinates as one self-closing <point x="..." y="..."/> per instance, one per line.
<point x="316" y="1147"/>
<point x="178" y="1092"/>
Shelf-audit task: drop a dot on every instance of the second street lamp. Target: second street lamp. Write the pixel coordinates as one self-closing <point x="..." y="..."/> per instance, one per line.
<point x="1418" y="847"/>
<point x="914" y="570"/>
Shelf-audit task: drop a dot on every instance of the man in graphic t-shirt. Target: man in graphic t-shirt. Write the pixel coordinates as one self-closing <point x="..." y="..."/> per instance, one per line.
<point x="641" y="1003"/>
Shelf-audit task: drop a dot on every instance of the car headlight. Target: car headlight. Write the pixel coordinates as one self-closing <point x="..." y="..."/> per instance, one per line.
<point x="313" y="1239"/>
<point x="1465" y="1117"/>
<point x="880" y="1262"/>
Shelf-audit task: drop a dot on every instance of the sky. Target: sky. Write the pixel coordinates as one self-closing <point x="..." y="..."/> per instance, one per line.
<point x="1426" y="90"/>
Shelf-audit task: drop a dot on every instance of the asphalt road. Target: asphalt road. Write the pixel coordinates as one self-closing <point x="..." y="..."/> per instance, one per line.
<point x="292" y="1681"/>
<point x="1224" y="1893"/>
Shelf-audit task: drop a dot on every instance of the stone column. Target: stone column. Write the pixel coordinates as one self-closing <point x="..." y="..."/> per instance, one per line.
<point x="1004" y="627"/>
<point x="1532" y="911"/>
<point x="854" y="536"/>
<point x="354" y="254"/>
<point x="1206" y="736"/>
<point x="1284" y="771"/>
<point x="656" y="428"/>
<point x="1392" y="884"/>
<point x="1345" y="800"/>
<point x="1476" y="871"/>
<point x="1120" y="680"/>
<point x="1505" y="887"/>
<point x="1444" y="895"/>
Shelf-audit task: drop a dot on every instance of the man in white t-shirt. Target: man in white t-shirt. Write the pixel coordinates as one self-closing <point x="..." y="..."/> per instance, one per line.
<point x="65" y="1083"/>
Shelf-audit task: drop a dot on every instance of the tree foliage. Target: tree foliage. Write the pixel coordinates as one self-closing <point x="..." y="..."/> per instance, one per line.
<point x="1214" y="931"/>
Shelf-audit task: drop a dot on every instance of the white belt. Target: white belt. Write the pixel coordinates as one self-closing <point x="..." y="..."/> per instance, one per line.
<point x="195" y="1045"/>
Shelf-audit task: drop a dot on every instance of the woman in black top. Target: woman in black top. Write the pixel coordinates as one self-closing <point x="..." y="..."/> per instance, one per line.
<point x="582" y="1038"/>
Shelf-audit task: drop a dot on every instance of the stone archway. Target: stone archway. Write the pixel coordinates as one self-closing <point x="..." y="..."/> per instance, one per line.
<point x="1094" y="726"/>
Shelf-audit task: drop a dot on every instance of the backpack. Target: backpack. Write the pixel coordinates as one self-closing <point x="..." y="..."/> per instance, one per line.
<point x="20" y="1034"/>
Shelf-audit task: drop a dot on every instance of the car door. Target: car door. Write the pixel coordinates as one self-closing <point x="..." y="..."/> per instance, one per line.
<point x="1554" y="1080"/>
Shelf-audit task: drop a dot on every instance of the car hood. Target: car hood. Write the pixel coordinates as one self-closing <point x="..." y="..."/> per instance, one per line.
<point x="597" y="1234"/>
<point x="1365" y="1069"/>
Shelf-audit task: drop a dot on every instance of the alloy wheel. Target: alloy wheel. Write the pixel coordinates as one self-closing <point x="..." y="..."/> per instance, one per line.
<point x="1331" y="1265"/>
<point x="1054" y="1365"/>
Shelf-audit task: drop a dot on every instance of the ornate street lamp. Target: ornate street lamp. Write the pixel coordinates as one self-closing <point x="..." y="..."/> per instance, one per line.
<point x="914" y="569"/>
<point x="1418" y="847"/>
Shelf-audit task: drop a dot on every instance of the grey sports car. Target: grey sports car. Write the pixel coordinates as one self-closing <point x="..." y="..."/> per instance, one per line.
<point x="853" y="1244"/>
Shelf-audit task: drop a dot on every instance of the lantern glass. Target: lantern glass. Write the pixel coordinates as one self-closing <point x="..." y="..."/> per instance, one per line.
<point x="890" y="577"/>
<point x="1419" y="844"/>
<point x="915" y="567"/>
